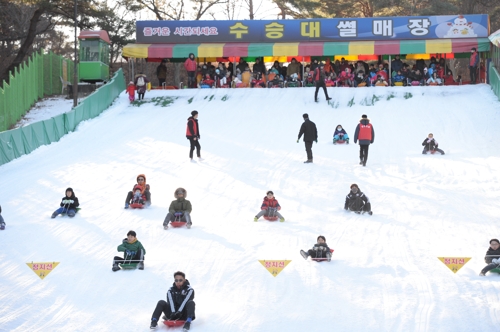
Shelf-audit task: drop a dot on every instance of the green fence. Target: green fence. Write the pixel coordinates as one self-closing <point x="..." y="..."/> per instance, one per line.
<point x="493" y="70"/>
<point x="17" y="142"/>
<point x="38" y="77"/>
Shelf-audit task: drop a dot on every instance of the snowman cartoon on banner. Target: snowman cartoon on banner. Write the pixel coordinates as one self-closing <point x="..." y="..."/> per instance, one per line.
<point x="460" y="28"/>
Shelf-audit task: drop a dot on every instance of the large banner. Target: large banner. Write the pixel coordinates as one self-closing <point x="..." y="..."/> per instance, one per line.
<point x="335" y="29"/>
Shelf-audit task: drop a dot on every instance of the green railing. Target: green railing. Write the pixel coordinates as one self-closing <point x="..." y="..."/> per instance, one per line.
<point x="493" y="70"/>
<point x="20" y="141"/>
<point x="38" y="77"/>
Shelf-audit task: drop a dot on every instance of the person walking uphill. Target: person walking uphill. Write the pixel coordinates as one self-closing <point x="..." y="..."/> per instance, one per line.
<point x="190" y="65"/>
<point x="308" y="129"/>
<point x="193" y="135"/>
<point x="365" y="134"/>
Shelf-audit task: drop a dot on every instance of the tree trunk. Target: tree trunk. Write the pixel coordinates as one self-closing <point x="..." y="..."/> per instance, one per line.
<point x="28" y="42"/>
<point x="177" y="73"/>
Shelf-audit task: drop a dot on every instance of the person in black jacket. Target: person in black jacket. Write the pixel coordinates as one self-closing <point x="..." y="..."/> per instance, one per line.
<point x="2" y="222"/>
<point x="430" y="144"/>
<point x="319" y="251"/>
<point x="69" y="204"/>
<point x="492" y="257"/>
<point x="319" y="81"/>
<point x="179" y="304"/>
<point x="308" y="129"/>
<point x="193" y="135"/>
<point x="357" y="201"/>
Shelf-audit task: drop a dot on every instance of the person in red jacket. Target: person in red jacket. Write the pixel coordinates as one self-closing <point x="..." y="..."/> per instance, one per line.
<point x="190" y="65"/>
<point x="131" y="91"/>
<point x="270" y="207"/>
<point x="473" y="62"/>
<point x="365" y="134"/>
<point x="193" y="135"/>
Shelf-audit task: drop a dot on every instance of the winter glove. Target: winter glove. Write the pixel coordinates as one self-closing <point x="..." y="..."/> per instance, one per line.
<point x="176" y="315"/>
<point x="429" y="140"/>
<point x="316" y="141"/>
<point x="65" y="201"/>
<point x="128" y="253"/>
<point x="71" y="201"/>
<point x="178" y="214"/>
<point x="495" y="260"/>
<point x="316" y="248"/>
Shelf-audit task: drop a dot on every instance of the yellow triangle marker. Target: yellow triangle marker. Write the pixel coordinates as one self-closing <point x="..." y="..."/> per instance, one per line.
<point x="454" y="263"/>
<point x="274" y="266"/>
<point x="42" y="269"/>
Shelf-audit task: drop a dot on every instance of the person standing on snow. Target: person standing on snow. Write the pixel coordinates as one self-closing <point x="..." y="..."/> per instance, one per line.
<point x="161" y="72"/>
<point x="319" y="81"/>
<point x="179" y="304"/>
<point x="190" y="65"/>
<point x="193" y="135"/>
<point x="366" y="135"/>
<point x="308" y="129"/>
<point x="473" y="62"/>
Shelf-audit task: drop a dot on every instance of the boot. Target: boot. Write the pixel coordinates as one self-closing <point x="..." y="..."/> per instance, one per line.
<point x="304" y="254"/>
<point x="140" y="266"/>
<point x="328" y="256"/>
<point x="308" y="161"/>
<point x="154" y="323"/>
<point x="115" y="267"/>
<point x="328" y="98"/>
<point x="188" y="224"/>
<point x="187" y="326"/>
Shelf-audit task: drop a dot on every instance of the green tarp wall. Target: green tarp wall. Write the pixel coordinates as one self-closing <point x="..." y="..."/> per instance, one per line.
<point x="39" y="76"/>
<point x="17" y="142"/>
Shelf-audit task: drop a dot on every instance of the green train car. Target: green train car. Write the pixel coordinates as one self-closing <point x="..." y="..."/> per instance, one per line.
<point x="94" y="56"/>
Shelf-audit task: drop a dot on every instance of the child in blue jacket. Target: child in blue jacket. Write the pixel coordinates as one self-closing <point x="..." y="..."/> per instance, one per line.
<point x="340" y="135"/>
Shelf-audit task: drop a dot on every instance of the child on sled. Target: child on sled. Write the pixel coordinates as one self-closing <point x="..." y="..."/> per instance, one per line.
<point x="319" y="251"/>
<point x="270" y="207"/>
<point x="340" y="135"/>
<point x="69" y="203"/>
<point x="430" y="144"/>
<point x="492" y="257"/>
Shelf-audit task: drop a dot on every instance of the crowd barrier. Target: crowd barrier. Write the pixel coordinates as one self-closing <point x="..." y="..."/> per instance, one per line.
<point x="20" y="141"/>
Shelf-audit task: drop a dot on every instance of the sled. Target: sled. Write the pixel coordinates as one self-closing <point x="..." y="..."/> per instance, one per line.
<point x="271" y="218"/>
<point x="129" y="266"/>
<point x="398" y="83"/>
<point x="177" y="224"/>
<point x="340" y="141"/>
<point x="137" y="206"/>
<point x="496" y="270"/>
<point x="321" y="259"/>
<point x="174" y="323"/>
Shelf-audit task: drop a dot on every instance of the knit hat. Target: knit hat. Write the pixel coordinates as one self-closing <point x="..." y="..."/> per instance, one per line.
<point x="193" y="113"/>
<point x="321" y="237"/>
<point x="354" y="185"/>
<point x="494" y="240"/>
<point x="364" y="116"/>
<point x="269" y="192"/>
<point x="130" y="83"/>
<point x="305" y="116"/>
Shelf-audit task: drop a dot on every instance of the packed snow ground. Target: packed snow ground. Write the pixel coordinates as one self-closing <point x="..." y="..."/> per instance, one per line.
<point x="45" y="109"/>
<point x="384" y="276"/>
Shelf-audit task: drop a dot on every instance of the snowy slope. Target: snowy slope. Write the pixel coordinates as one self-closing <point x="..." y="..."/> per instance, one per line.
<point x="385" y="275"/>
